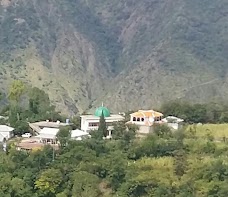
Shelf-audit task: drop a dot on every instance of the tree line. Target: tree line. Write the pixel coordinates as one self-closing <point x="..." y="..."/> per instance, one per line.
<point x="164" y="163"/>
<point x="197" y="113"/>
<point x="27" y="104"/>
<point x="30" y="104"/>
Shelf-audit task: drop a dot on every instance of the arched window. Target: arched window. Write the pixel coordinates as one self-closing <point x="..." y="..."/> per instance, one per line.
<point x="142" y="119"/>
<point x="138" y="119"/>
<point x="134" y="119"/>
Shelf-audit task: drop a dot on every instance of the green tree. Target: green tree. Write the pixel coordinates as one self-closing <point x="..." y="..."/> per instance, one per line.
<point x="62" y="194"/>
<point x="116" y="165"/>
<point x="119" y="130"/>
<point x="124" y="134"/>
<point x="21" y="127"/>
<point x="49" y="181"/>
<point x="85" y="184"/>
<point x="162" y="131"/>
<point x="38" y="100"/>
<point x="40" y="107"/>
<point x="224" y="117"/>
<point x="102" y="125"/>
<point x="149" y="177"/>
<point x="76" y="122"/>
<point x="180" y="162"/>
<point x="13" y="186"/>
<point x="6" y="163"/>
<point x="63" y="135"/>
<point x="97" y="135"/>
<point x="16" y="90"/>
<point x="196" y="113"/>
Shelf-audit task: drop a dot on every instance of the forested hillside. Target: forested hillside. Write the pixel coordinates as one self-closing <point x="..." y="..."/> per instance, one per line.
<point x="127" y="53"/>
<point x="181" y="164"/>
<point x="189" y="162"/>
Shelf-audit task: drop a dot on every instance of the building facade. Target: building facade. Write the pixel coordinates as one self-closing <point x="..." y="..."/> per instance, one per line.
<point x="145" y="119"/>
<point x="173" y="122"/>
<point x="6" y="133"/>
<point x="91" y="122"/>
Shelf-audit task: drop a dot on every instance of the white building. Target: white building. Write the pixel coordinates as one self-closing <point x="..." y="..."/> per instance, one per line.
<point x="38" y="126"/>
<point x="91" y="122"/>
<point x="79" y="135"/>
<point x="6" y="132"/>
<point x="173" y="122"/>
<point x="49" y="135"/>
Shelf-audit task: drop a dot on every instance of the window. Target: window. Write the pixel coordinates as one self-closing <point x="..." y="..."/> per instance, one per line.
<point x="158" y="118"/>
<point x="142" y="119"/>
<point x="134" y="119"/>
<point x="138" y="119"/>
<point x="93" y="124"/>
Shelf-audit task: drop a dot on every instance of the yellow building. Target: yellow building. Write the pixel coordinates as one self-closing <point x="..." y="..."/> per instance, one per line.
<point x="145" y="119"/>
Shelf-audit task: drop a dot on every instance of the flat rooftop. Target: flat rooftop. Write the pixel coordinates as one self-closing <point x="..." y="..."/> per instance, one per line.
<point x="112" y="116"/>
<point x="50" y="124"/>
<point x="33" y="144"/>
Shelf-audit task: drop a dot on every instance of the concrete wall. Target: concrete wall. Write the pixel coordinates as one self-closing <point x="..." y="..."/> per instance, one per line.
<point x="84" y="124"/>
<point x="144" y="129"/>
<point x="173" y="125"/>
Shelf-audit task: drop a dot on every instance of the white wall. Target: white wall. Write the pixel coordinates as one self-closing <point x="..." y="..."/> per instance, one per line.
<point x="84" y="124"/>
<point x="1" y="138"/>
<point x="6" y="135"/>
<point x="144" y="129"/>
<point x="173" y="125"/>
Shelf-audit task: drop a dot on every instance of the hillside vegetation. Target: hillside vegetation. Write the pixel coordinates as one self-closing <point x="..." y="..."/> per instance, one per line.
<point x="129" y="54"/>
<point x="191" y="161"/>
<point x="162" y="164"/>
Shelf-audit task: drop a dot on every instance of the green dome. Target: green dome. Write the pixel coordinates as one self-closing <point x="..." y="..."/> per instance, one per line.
<point x="99" y="111"/>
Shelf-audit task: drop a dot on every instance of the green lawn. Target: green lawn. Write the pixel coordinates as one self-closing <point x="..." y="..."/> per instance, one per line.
<point x="215" y="130"/>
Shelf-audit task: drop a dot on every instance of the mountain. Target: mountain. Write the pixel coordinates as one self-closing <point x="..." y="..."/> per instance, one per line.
<point x="129" y="54"/>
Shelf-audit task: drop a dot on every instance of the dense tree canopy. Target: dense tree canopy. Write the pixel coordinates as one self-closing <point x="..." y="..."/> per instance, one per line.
<point x="27" y="104"/>
<point x="197" y="113"/>
<point x="161" y="164"/>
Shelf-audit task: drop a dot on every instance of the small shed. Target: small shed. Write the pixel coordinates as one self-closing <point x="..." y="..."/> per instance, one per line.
<point x="173" y="122"/>
<point x="48" y="135"/>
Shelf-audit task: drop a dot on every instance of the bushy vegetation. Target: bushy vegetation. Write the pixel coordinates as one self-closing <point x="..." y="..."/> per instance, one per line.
<point x="27" y="104"/>
<point x="171" y="164"/>
<point x="197" y="113"/>
<point x="186" y="163"/>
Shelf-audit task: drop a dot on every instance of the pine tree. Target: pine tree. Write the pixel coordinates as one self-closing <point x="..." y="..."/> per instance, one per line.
<point x="102" y="125"/>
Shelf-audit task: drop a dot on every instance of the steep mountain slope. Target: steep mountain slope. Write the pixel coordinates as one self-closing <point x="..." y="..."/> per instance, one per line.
<point x="178" y="50"/>
<point x="40" y="45"/>
<point x="127" y="53"/>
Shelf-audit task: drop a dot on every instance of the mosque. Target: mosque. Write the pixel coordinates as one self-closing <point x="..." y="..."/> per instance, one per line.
<point x="91" y="122"/>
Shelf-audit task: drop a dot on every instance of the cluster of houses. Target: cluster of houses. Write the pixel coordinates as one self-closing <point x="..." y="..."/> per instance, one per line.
<point x="144" y="119"/>
<point x="46" y="131"/>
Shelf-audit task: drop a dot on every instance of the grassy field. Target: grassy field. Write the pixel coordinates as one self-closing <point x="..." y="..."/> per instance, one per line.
<point x="218" y="131"/>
